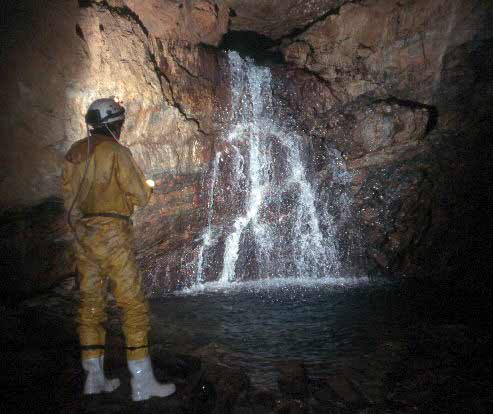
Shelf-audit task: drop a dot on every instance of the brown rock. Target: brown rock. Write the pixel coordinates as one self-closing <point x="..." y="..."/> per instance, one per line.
<point x="345" y="59"/>
<point x="99" y="51"/>
<point x="278" y="18"/>
<point x="383" y="125"/>
<point x="45" y="115"/>
<point x="297" y="53"/>
<point x="386" y="47"/>
<point x="380" y="133"/>
<point x="193" y="76"/>
<point x="196" y="21"/>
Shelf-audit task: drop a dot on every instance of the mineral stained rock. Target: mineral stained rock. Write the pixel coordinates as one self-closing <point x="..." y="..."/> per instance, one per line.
<point x="386" y="47"/>
<point x="198" y="21"/>
<point x="50" y="79"/>
<point x="62" y="59"/>
<point x="396" y="91"/>
<point x="389" y="86"/>
<point x="278" y="18"/>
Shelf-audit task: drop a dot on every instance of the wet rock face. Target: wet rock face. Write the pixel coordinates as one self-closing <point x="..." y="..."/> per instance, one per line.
<point x="379" y="132"/>
<point x="372" y="81"/>
<point x="165" y="232"/>
<point x="392" y="90"/>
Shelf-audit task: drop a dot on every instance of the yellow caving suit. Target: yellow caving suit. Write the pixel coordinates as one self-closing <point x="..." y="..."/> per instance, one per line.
<point x="114" y="184"/>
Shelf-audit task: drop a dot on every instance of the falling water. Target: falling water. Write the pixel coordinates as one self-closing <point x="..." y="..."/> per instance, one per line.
<point x="275" y="230"/>
<point x="207" y="236"/>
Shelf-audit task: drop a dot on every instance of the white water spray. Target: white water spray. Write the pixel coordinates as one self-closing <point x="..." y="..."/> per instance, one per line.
<point x="207" y="236"/>
<point x="277" y="232"/>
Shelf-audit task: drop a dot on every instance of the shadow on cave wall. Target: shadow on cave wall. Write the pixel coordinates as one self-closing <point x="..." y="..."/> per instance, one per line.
<point x="35" y="251"/>
<point x="34" y="246"/>
<point x="462" y="247"/>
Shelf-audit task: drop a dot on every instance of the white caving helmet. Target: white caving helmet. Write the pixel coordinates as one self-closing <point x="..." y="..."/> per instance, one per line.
<point x="105" y="111"/>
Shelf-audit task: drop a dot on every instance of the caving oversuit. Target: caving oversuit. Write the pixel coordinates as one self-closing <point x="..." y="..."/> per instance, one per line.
<point x="113" y="185"/>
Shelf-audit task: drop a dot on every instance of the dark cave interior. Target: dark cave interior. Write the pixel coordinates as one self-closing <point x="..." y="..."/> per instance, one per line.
<point x="393" y="102"/>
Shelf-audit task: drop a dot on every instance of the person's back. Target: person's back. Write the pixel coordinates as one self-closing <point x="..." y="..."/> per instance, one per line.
<point x="112" y="184"/>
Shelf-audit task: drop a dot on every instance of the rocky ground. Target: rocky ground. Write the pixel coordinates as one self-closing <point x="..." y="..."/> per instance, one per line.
<point x="434" y="368"/>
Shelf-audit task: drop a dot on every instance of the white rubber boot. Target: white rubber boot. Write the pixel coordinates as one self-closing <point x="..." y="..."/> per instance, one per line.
<point x="96" y="382"/>
<point x="144" y="385"/>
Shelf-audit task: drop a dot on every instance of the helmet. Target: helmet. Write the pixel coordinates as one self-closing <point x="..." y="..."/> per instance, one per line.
<point x="105" y="111"/>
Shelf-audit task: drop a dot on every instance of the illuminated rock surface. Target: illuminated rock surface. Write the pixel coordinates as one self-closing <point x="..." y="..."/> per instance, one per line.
<point x="362" y="125"/>
<point x="389" y="90"/>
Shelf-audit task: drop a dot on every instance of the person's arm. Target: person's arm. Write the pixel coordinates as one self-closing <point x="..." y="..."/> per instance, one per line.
<point x="131" y="179"/>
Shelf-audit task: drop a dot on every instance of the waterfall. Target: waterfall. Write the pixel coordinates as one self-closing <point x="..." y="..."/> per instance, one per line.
<point x="270" y="224"/>
<point x="207" y="236"/>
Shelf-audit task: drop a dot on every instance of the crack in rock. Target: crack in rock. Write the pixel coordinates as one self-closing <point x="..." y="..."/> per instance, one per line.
<point x="331" y="12"/>
<point x="178" y="106"/>
<point x="406" y="103"/>
<point x="181" y="66"/>
<point x="128" y="13"/>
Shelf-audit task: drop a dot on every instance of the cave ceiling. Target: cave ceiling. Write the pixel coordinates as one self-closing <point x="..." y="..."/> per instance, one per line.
<point x="278" y="18"/>
<point x="205" y="21"/>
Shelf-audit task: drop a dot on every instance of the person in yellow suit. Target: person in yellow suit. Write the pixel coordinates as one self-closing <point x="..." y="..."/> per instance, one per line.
<point x="101" y="186"/>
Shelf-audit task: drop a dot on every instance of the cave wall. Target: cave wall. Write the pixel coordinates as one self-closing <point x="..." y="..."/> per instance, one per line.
<point x="65" y="57"/>
<point x="400" y="90"/>
<point x="58" y="57"/>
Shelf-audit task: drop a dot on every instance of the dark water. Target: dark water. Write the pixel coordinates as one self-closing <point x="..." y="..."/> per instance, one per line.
<point x="404" y="345"/>
<point x="324" y="326"/>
